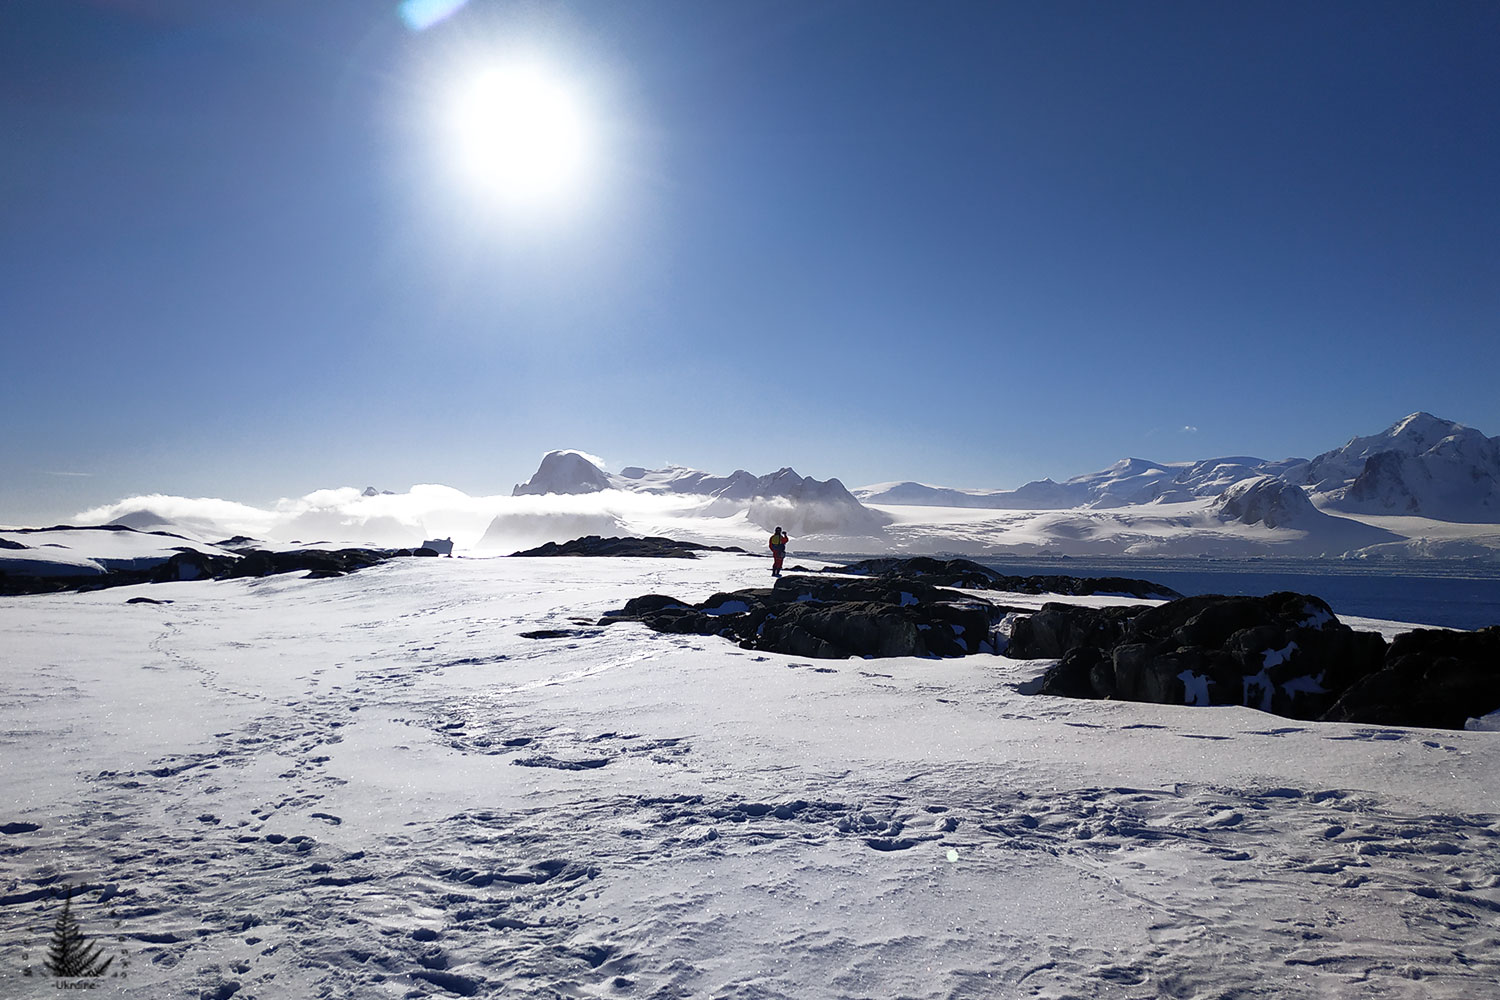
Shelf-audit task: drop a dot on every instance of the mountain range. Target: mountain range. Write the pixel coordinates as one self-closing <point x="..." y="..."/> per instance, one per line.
<point x="782" y="498"/>
<point x="1421" y="465"/>
<point x="1423" y="487"/>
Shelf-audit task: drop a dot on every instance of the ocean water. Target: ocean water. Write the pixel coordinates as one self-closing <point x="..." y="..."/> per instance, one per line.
<point x="1443" y="596"/>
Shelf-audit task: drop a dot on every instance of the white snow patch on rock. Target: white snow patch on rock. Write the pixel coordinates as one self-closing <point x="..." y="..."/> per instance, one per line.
<point x="1276" y="657"/>
<point x="1316" y="617"/>
<point x="1195" y="688"/>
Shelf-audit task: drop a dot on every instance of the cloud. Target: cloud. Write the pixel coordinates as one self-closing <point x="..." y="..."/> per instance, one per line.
<point x="499" y="524"/>
<point x="84" y="475"/>
<point x="346" y="515"/>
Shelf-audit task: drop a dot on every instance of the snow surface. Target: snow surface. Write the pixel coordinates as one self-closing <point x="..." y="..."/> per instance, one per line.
<point x="378" y="786"/>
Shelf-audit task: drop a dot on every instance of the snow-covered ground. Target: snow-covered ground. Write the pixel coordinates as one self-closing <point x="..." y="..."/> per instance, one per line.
<point x="379" y="786"/>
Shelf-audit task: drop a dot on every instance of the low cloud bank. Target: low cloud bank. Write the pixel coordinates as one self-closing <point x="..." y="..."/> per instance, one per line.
<point x="493" y="523"/>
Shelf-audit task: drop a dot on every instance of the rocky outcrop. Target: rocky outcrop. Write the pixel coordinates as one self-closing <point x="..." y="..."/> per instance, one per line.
<point x="972" y="576"/>
<point x="1284" y="653"/>
<point x="190" y="564"/>
<point x="830" y="618"/>
<point x="1057" y="629"/>
<point x="650" y="547"/>
<point x="1431" y="677"/>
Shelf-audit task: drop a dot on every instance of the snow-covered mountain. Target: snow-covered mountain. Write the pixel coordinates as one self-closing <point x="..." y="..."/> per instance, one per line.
<point x="801" y="505"/>
<point x="1422" y="465"/>
<point x="1129" y="481"/>
<point x="566" y="472"/>
<point x="1266" y="500"/>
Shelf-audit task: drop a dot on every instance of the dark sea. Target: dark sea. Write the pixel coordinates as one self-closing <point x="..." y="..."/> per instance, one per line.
<point x="1443" y="595"/>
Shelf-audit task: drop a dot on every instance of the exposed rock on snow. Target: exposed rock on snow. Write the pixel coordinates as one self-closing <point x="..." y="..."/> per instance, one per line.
<point x="123" y="556"/>
<point x="972" y="576"/>
<point x="830" y="618"/>
<point x="1058" y="629"/>
<point x="653" y="547"/>
<point x="901" y="608"/>
<point x="1284" y="653"/>
<point x="1431" y="677"/>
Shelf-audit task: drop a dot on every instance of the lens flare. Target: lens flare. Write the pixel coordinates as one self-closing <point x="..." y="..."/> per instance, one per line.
<point x="422" y="14"/>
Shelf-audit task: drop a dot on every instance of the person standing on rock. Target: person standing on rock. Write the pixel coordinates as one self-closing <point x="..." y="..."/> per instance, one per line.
<point x="778" y="550"/>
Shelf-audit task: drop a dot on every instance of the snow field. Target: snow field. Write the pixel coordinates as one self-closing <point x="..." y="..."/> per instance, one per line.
<point x="438" y="777"/>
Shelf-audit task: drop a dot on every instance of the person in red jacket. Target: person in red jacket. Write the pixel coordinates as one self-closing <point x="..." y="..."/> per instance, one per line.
<point x="778" y="550"/>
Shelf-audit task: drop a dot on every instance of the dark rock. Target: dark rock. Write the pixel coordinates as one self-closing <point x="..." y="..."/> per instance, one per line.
<point x="886" y="590"/>
<point x="830" y="618"/>
<point x="1149" y="673"/>
<point x="1284" y="653"/>
<point x="190" y="564"/>
<point x="653" y="547"/>
<point x="1051" y="632"/>
<point x="1431" y="677"/>
<point x="971" y="575"/>
<point x="648" y="603"/>
<point x="1073" y="675"/>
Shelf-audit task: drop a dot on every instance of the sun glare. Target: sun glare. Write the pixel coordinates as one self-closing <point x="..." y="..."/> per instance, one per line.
<point x="520" y="133"/>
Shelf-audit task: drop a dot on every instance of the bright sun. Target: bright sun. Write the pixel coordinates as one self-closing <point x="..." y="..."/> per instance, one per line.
<point x="521" y="133"/>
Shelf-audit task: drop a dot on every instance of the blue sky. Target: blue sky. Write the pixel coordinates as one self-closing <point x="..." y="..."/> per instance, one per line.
<point x="971" y="244"/>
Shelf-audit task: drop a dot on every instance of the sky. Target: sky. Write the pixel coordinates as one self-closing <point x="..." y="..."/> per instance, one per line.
<point x="255" y="250"/>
